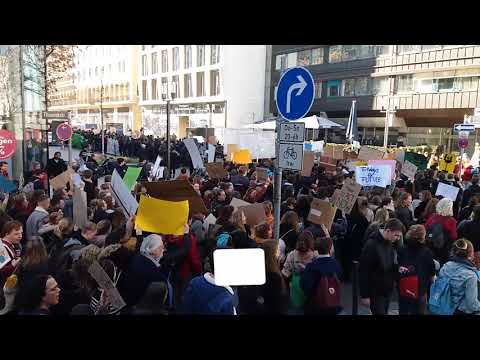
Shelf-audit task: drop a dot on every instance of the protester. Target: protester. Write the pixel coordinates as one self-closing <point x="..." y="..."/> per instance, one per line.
<point x="402" y="210"/>
<point x="11" y="237"/>
<point x="37" y="296"/>
<point x="38" y="217"/>
<point x="56" y="165"/>
<point x="470" y="230"/>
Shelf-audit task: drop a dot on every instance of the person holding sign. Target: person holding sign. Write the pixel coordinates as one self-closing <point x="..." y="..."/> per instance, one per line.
<point x="12" y="235"/>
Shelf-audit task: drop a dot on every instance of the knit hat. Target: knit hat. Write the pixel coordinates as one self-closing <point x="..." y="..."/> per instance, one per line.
<point x="445" y="207"/>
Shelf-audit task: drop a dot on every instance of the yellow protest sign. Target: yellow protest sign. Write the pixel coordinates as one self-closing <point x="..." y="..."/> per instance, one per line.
<point x="448" y="163"/>
<point x="243" y="157"/>
<point x="161" y="216"/>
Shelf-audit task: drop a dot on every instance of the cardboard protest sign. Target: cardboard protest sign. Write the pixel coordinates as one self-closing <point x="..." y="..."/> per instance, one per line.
<point x="123" y="196"/>
<point x="162" y="216"/>
<point x="242" y="157"/>
<point x="7" y="185"/>
<point x="176" y="190"/>
<point x="346" y="197"/>
<point x="400" y="156"/>
<point x="418" y="160"/>
<point x="350" y="155"/>
<point x="60" y="181"/>
<point x="236" y="203"/>
<point x="337" y="152"/>
<point x="317" y="146"/>
<point x="255" y="213"/>
<point x="131" y="176"/>
<point x="216" y="170"/>
<point x="308" y="162"/>
<point x="209" y="220"/>
<point x="80" y="217"/>
<point x="448" y="163"/>
<point x="368" y="153"/>
<point x="409" y="170"/>
<point x="231" y="149"/>
<point x="391" y="163"/>
<point x="321" y="212"/>
<point x="4" y="256"/>
<point x="104" y="281"/>
<point x="374" y="175"/>
<point x="194" y="153"/>
<point x="156" y="168"/>
<point x="328" y="150"/>
<point x="447" y="191"/>
<point x="262" y="174"/>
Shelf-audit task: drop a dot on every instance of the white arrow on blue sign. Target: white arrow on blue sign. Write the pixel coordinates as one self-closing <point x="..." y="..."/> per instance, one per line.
<point x="295" y="93"/>
<point x="464" y="127"/>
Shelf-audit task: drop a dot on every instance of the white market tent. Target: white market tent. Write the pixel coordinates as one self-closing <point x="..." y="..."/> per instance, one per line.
<point x="311" y="122"/>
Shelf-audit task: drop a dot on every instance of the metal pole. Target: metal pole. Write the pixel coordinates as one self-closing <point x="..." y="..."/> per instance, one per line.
<point x="168" y="140"/>
<point x="70" y="141"/>
<point x="277" y="187"/>
<point x="462" y="150"/>
<point x="385" y="135"/>
<point x="101" y="117"/>
<point x="45" y="68"/>
<point x="22" y="99"/>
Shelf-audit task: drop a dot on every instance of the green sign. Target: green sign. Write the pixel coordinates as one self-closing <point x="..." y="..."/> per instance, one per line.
<point x="131" y="176"/>
<point x="418" y="160"/>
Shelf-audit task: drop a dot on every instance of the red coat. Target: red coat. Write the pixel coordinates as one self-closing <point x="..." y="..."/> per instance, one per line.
<point x="449" y="224"/>
<point x="8" y="269"/>
<point x="191" y="266"/>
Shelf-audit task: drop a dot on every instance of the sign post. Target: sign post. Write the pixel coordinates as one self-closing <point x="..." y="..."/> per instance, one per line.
<point x="294" y="98"/>
<point x="462" y="144"/>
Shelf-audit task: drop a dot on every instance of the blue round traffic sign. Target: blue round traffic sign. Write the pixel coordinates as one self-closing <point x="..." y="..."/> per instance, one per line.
<point x="295" y="93"/>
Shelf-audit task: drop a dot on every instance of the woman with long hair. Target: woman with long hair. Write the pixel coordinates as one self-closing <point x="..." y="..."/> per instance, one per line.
<point x="33" y="262"/>
<point x="402" y="210"/>
<point x="289" y="227"/>
<point x="430" y="209"/>
<point x="425" y="197"/>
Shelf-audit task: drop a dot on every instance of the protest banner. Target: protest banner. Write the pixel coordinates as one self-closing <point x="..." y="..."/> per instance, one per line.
<point x="131" y="176"/>
<point x="368" y="153"/>
<point x="255" y="213"/>
<point x="375" y="175"/>
<point x="216" y="170"/>
<point x="409" y="170"/>
<point x="231" y="149"/>
<point x="262" y="174"/>
<point x="391" y="163"/>
<point x="308" y="162"/>
<point x="346" y="197"/>
<point x="123" y="196"/>
<point x="177" y="190"/>
<point x="321" y="212"/>
<point x="7" y="185"/>
<point x="317" y="146"/>
<point x="338" y="152"/>
<point x="307" y="146"/>
<point x="242" y="157"/>
<point x="447" y="191"/>
<point x="161" y="216"/>
<point x="60" y="181"/>
<point x="104" y="281"/>
<point x="194" y="153"/>
<point x="328" y="150"/>
<point x="79" y="207"/>
<point x="418" y="160"/>
<point x="236" y="203"/>
<point x="447" y="163"/>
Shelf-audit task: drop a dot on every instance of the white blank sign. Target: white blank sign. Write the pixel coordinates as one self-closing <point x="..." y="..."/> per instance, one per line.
<point x="238" y="267"/>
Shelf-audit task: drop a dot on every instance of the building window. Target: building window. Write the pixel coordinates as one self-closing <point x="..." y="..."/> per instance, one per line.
<point x="409" y="48"/>
<point x="164" y="61"/>
<point x="165" y="87"/>
<point x="176" y="86"/>
<point x="187" y="85"/>
<point x="143" y="47"/>
<point x="404" y="83"/>
<point x="333" y="88"/>
<point x="200" y="84"/>
<point x="200" y="55"/>
<point x="339" y="53"/>
<point x="154" y="63"/>
<point x="318" y="88"/>
<point x="214" y="54"/>
<point x="144" y="90"/>
<point x="96" y="71"/>
<point x="175" y="59"/>
<point x="154" y="89"/>
<point x="123" y="66"/>
<point x="380" y="85"/>
<point x="304" y="58"/>
<point x="119" y="66"/>
<point x="144" y="65"/>
<point x="335" y="54"/>
<point x="348" y="88"/>
<point x="444" y="84"/>
<point x="214" y="83"/>
<point x="317" y="56"/>
<point x="188" y="56"/>
<point x="467" y="83"/>
<point x="281" y="62"/>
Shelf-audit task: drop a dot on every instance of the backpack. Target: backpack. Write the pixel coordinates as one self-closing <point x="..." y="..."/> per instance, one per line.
<point x="297" y="296"/>
<point x="224" y="239"/>
<point x="328" y="293"/>
<point x="436" y="236"/>
<point x="408" y="283"/>
<point x="440" y="301"/>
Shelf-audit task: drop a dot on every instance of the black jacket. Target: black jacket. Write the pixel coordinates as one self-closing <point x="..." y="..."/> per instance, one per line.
<point x="470" y="229"/>
<point x="378" y="268"/>
<point x="55" y="168"/>
<point x="421" y="258"/>
<point x="405" y="216"/>
<point x="467" y="194"/>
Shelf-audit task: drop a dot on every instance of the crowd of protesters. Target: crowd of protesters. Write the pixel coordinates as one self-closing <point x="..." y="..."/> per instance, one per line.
<point x="403" y="238"/>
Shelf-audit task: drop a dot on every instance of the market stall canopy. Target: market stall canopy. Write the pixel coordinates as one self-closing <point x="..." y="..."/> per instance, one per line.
<point x="311" y="122"/>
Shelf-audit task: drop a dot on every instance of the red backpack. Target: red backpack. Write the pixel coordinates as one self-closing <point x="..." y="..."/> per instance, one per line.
<point x="328" y="292"/>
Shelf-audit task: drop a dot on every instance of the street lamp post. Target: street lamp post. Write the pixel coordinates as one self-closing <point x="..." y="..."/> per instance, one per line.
<point x="164" y="98"/>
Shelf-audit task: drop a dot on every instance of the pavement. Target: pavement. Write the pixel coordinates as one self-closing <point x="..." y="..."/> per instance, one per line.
<point x="347" y="301"/>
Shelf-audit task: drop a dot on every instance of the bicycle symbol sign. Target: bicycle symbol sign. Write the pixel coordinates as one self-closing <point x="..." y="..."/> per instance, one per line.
<point x="291" y="156"/>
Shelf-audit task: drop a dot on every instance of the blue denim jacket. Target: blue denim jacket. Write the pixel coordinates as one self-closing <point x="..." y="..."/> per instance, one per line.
<point x="464" y="281"/>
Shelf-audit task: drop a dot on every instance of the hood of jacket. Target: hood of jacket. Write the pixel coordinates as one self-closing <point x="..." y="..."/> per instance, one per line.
<point x="458" y="269"/>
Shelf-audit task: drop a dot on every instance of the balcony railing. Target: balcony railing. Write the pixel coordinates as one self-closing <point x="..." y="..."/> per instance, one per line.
<point x="440" y="100"/>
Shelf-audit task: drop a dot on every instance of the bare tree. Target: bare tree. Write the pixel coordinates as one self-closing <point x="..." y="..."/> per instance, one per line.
<point x="9" y="86"/>
<point x="47" y="65"/>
